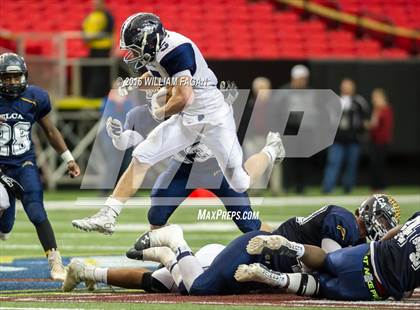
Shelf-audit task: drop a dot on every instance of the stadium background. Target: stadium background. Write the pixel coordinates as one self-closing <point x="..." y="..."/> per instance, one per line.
<point x="242" y="40"/>
<point x="374" y="42"/>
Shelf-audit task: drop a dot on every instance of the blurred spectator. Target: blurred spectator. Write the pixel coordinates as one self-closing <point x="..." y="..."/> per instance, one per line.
<point x="97" y="32"/>
<point x="346" y="147"/>
<point x="294" y="169"/>
<point x="381" y="125"/>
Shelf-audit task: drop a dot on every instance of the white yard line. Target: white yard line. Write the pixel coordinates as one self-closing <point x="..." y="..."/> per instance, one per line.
<point x="209" y="226"/>
<point x="288" y="201"/>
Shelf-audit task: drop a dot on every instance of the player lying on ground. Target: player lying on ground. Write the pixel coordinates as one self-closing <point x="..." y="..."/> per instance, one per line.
<point x="376" y="215"/>
<point x="375" y="271"/>
<point x="333" y="227"/>
<point x="21" y="105"/>
<point x="194" y="167"/>
<point x="159" y="281"/>
<point x="194" y="110"/>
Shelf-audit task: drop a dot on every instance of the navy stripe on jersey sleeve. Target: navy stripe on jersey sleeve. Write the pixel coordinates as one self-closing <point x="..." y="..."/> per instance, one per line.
<point x="180" y="59"/>
<point x="43" y="102"/>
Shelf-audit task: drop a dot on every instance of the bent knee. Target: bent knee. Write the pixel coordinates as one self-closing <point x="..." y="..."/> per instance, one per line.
<point x="238" y="179"/>
<point x="139" y="164"/>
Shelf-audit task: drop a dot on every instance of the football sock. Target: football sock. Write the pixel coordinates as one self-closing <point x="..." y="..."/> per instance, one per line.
<point x="189" y="266"/>
<point x="270" y="152"/>
<point x="114" y="204"/>
<point x="46" y="236"/>
<point x="100" y="274"/>
<point x="175" y="273"/>
<point x="302" y="284"/>
<point x="96" y="274"/>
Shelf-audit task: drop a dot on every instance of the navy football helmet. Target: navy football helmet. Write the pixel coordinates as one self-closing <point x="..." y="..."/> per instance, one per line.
<point x="379" y="213"/>
<point x="142" y="35"/>
<point x="13" y="75"/>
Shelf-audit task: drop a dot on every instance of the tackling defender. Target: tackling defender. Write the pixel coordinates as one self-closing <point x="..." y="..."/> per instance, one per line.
<point x="328" y="226"/>
<point x="195" y="109"/>
<point x="375" y="271"/>
<point x="161" y="280"/>
<point x="21" y="105"/>
<point x="178" y="181"/>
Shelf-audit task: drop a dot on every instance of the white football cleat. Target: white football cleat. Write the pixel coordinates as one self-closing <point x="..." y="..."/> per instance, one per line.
<point x="274" y="147"/>
<point x="271" y="244"/>
<point x="163" y="255"/>
<point x="170" y="236"/>
<point x="260" y="273"/>
<point x="77" y="272"/>
<point x="57" y="271"/>
<point x="103" y="221"/>
<point x="4" y="236"/>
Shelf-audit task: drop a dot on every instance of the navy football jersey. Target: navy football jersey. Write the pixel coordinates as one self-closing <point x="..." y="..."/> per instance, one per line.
<point x="397" y="261"/>
<point x="15" y="133"/>
<point x="331" y="222"/>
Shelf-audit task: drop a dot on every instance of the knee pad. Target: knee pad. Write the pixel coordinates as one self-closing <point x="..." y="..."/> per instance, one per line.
<point x="238" y="179"/>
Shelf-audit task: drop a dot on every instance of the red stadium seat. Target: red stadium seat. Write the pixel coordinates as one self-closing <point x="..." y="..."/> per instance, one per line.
<point x="225" y="29"/>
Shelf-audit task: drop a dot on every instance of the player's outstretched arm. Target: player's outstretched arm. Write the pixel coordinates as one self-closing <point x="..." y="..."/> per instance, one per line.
<point x="57" y="142"/>
<point x="122" y="140"/>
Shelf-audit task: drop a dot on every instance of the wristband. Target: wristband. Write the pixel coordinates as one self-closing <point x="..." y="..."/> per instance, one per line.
<point x="67" y="156"/>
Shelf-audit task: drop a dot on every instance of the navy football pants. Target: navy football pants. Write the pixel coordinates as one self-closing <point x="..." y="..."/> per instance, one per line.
<point x="218" y="278"/>
<point x="171" y="189"/>
<point x="342" y="277"/>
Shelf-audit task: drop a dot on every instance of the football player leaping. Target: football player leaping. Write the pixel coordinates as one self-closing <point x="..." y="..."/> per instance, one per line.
<point x="178" y="181"/>
<point x="21" y="105"/>
<point x="195" y="110"/>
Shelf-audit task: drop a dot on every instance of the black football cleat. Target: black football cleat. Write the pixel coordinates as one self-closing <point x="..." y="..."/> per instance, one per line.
<point x="142" y="242"/>
<point x="134" y="254"/>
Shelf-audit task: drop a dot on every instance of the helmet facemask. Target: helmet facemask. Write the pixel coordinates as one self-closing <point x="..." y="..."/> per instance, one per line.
<point x="379" y="214"/>
<point x="13" y="83"/>
<point x="144" y="48"/>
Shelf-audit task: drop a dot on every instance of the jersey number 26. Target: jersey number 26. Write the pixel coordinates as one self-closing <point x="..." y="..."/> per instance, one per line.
<point x="19" y="133"/>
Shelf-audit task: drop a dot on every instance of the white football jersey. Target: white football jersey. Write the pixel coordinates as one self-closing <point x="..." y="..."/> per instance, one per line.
<point x="179" y="56"/>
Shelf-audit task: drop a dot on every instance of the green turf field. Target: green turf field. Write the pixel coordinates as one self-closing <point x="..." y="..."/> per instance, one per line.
<point x="24" y="243"/>
<point x="123" y="306"/>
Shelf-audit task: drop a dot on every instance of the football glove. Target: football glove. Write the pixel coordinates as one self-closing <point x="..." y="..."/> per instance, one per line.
<point x="229" y="91"/>
<point x="157" y="101"/>
<point x="113" y="127"/>
<point x="11" y="185"/>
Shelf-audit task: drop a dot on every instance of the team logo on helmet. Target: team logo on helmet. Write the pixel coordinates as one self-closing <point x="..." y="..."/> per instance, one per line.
<point x="142" y="35"/>
<point x="380" y="213"/>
